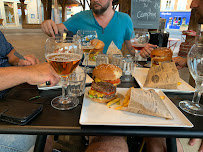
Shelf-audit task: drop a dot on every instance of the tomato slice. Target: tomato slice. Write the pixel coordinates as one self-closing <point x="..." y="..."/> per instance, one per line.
<point x="106" y="93"/>
<point x="113" y="81"/>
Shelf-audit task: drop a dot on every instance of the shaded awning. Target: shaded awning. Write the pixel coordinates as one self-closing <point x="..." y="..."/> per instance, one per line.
<point x="72" y="2"/>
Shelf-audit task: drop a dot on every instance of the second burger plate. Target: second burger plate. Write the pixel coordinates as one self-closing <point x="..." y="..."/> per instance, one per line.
<point x="94" y="113"/>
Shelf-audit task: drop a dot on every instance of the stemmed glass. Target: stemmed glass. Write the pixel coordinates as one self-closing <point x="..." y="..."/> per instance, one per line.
<point x="64" y="56"/>
<point x="138" y="40"/>
<point x="195" y="64"/>
<point x="85" y="38"/>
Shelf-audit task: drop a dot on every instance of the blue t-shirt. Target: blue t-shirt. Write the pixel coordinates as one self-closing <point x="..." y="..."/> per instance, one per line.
<point x="5" y="49"/>
<point x="118" y="30"/>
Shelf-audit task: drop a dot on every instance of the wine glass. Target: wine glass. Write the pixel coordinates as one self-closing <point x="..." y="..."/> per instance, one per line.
<point x="138" y="40"/>
<point x="64" y="56"/>
<point x="195" y="64"/>
<point x="85" y="38"/>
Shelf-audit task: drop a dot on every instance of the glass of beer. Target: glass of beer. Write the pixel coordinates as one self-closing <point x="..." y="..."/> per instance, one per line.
<point x="85" y="38"/>
<point x="64" y="56"/>
<point x="138" y="40"/>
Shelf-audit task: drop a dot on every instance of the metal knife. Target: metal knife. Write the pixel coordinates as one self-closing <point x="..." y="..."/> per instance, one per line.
<point x="19" y="55"/>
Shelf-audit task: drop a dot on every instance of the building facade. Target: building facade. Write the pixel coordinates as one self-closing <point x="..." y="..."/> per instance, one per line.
<point x="10" y="11"/>
<point x="176" y="13"/>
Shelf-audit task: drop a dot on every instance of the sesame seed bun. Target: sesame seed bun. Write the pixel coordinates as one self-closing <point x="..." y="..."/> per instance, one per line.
<point x="162" y="54"/>
<point x="107" y="72"/>
<point x="102" y="100"/>
<point x="99" y="45"/>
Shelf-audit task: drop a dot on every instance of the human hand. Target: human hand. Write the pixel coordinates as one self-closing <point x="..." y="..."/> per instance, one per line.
<point x="49" y="27"/>
<point x="180" y="62"/>
<point x="29" y="60"/>
<point x="40" y="73"/>
<point x="146" y="51"/>
<point x="193" y="141"/>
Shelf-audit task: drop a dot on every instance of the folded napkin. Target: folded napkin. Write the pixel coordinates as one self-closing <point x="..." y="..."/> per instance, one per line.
<point x="164" y="76"/>
<point x="112" y="49"/>
<point x="147" y="102"/>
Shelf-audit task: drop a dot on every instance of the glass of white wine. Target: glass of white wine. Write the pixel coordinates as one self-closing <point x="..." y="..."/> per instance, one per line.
<point x="64" y="56"/>
<point x="85" y="38"/>
<point x="195" y="65"/>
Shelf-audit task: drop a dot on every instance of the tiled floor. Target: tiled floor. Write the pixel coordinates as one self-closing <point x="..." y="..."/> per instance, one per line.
<point x="28" y="43"/>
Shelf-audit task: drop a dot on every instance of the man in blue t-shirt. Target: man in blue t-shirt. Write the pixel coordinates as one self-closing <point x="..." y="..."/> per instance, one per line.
<point x="110" y="25"/>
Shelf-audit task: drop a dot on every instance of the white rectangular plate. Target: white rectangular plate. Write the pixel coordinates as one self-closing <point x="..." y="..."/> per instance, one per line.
<point x="140" y="75"/>
<point x="59" y="85"/>
<point x="94" y="113"/>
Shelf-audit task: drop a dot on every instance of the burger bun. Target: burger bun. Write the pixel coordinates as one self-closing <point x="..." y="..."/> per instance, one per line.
<point x="99" y="45"/>
<point x="107" y="72"/>
<point x="102" y="100"/>
<point x="162" y="54"/>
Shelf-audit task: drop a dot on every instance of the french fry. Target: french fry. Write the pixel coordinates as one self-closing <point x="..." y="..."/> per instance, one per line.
<point x="126" y="103"/>
<point x="119" y="108"/>
<point x="113" y="101"/>
<point x="127" y="98"/>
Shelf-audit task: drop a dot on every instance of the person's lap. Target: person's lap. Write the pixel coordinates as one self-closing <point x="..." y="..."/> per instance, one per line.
<point x="16" y="143"/>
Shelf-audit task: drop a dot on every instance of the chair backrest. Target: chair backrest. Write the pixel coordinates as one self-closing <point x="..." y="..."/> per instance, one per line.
<point x="1" y="21"/>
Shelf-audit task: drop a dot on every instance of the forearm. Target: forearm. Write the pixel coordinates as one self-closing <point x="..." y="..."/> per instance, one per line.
<point x="12" y="76"/>
<point x="130" y="48"/>
<point x="12" y="59"/>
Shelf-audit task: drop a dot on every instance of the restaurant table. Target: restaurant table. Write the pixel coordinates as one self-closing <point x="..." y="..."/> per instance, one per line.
<point x="55" y="122"/>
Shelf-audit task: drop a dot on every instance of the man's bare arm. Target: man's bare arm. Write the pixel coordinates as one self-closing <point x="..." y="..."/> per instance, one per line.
<point x="37" y="74"/>
<point x="50" y="28"/>
<point x="130" y="48"/>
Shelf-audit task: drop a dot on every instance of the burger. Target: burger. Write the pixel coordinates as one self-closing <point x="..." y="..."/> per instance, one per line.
<point x="161" y="54"/>
<point x="98" y="44"/>
<point x="102" y="92"/>
<point x="103" y="88"/>
<point x="107" y="73"/>
<point x="98" y="47"/>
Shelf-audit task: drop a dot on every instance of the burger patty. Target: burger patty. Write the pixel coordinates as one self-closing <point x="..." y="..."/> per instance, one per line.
<point x="103" y="87"/>
<point x="109" y="96"/>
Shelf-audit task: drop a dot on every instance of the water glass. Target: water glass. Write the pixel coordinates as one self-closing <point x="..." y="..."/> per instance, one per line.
<point x="77" y="81"/>
<point x="102" y="59"/>
<point x="117" y="60"/>
<point x="85" y="39"/>
<point x="128" y="67"/>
